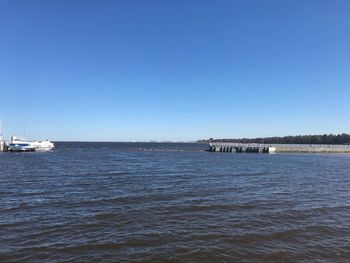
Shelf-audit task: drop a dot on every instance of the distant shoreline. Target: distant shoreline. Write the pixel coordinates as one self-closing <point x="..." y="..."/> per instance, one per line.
<point x="325" y="139"/>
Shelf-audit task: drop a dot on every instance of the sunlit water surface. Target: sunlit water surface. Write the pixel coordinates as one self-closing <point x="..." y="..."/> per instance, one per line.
<point x="132" y="202"/>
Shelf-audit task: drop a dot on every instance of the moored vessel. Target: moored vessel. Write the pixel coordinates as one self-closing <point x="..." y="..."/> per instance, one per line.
<point x="20" y="145"/>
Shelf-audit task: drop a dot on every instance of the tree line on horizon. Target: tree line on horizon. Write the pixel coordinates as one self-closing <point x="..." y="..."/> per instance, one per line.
<point x="299" y="139"/>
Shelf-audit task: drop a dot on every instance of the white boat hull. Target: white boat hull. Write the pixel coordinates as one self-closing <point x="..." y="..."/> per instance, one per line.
<point x="20" y="148"/>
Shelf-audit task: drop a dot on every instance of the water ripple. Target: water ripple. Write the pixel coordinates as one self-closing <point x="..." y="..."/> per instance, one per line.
<point x="110" y="202"/>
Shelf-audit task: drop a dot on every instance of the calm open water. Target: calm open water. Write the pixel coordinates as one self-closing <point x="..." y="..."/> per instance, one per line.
<point x="109" y="202"/>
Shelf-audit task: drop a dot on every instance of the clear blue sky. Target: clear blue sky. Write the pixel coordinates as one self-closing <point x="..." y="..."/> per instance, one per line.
<point x="174" y="70"/>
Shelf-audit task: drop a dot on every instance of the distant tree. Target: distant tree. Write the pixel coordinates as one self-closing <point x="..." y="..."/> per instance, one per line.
<point x="300" y="139"/>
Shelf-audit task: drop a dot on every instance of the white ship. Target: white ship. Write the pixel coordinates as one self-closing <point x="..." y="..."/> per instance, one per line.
<point x="19" y="145"/>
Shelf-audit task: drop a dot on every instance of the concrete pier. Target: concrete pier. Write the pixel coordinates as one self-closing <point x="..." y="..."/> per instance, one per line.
<point x="272" y="148"/>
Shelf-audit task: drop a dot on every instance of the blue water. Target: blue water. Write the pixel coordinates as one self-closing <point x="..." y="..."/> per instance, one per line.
<point x="129" y="202"/>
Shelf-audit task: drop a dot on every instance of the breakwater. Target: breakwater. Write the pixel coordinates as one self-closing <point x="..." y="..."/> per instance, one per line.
<point x="272" y="148"/>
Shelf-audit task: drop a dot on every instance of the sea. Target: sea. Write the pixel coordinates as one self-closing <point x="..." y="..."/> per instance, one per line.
<point x="172" y="202"/>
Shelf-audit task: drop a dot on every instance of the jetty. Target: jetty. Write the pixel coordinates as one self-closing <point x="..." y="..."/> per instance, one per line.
<point x="3" y="146"/>
<point x="275" y="148"/>
<point x="3" y="143"/>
